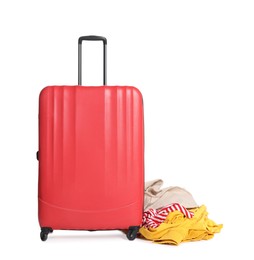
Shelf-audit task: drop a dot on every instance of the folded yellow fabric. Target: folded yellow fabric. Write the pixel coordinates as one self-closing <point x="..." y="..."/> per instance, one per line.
<point x="177" y="228"/>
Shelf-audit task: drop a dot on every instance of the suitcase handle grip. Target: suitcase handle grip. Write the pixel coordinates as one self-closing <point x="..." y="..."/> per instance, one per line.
<point x="92" y="38"/>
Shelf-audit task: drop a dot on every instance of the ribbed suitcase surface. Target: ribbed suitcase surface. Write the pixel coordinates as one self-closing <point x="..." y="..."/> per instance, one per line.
<point x="91" y="157"/>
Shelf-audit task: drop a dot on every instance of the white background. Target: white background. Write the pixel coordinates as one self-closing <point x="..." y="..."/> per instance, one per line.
<point x="192" y="60"/>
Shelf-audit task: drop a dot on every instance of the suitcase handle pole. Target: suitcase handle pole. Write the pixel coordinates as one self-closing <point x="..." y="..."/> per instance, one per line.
<point x="92" y="38"/>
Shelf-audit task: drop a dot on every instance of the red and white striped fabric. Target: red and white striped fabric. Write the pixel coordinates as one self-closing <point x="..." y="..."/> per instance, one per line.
<point x="154" y="217"/>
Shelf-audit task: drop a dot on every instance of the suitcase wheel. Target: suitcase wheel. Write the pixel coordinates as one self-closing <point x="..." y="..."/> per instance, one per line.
<point x="132" y="232"/>
<point x="44" y="233"/>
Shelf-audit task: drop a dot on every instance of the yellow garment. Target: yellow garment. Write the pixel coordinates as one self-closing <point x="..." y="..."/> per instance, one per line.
<point x="177" y="228"/>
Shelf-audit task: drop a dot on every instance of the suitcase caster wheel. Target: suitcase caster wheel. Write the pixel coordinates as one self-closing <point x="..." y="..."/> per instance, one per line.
<point x="132" y="232"/>
<point x="44" y="233"/>
<point x="44" y="236"/>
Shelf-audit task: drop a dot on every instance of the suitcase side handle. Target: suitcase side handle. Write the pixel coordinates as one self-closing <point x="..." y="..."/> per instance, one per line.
<point x="92" y="38"/>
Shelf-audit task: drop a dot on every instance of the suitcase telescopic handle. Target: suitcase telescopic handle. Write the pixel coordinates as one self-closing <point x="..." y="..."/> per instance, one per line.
<point x="92" y="38"/>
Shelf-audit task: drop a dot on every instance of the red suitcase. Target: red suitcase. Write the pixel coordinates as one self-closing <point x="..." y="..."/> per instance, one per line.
<point x="91" y="156"/>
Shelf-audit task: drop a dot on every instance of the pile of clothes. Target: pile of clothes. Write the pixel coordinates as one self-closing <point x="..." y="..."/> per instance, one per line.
<point x="172" y="216"/>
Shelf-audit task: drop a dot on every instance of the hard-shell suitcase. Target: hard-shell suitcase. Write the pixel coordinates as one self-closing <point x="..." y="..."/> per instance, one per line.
<point x="91" y="156"/>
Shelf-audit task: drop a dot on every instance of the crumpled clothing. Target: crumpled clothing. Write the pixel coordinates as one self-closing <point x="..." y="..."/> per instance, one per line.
<point x="154" y="217"/>
<point x="156" y="198"/>
<point x="177" y="228"/>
